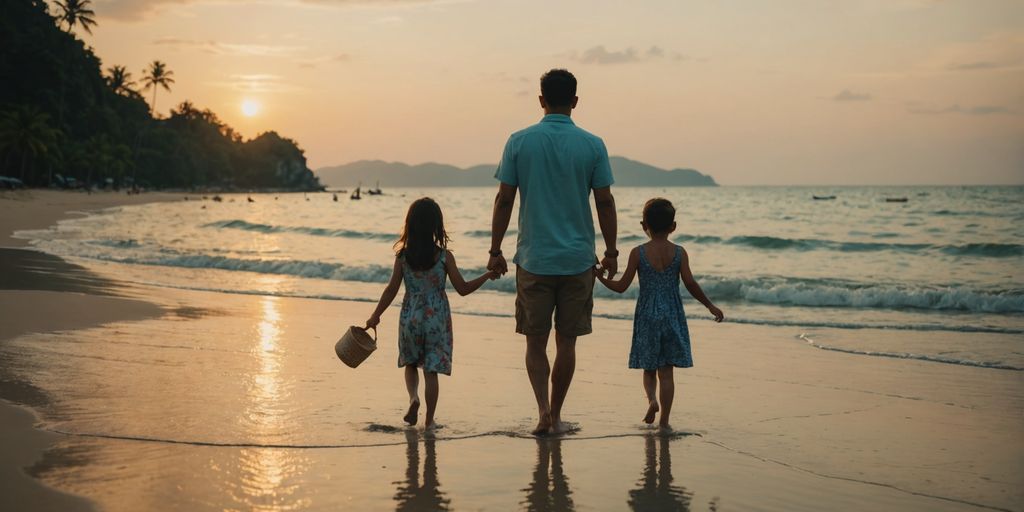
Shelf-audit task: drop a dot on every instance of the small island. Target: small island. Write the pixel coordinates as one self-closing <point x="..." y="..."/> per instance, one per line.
<point x="628" y="173"/>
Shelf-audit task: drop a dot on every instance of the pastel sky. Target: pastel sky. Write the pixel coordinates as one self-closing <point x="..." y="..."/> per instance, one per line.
<point x="751" y="92"/>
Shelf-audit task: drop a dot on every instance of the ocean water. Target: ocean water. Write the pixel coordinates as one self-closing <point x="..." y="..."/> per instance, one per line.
<point x="948" y="261"/>
<point x="234" y="400"/>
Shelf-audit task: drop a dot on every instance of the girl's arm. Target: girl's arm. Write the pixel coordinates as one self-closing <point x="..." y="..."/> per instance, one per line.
<point x="694" y="288"/>
<point x="459" y="283"/>
<point x="388" y="296"/>
<point x="627" y="275"/>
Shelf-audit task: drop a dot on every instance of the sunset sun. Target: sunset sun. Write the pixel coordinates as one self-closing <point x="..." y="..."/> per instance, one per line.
<point x="250" y="107"/>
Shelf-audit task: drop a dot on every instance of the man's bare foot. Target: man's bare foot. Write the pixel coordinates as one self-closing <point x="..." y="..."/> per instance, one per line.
<point x="414" y="410"/>
<point x="652" y="410"/>
<point x="543" y="426"/>
<point x="665" y="429"/>
<point x="559" y="427"/>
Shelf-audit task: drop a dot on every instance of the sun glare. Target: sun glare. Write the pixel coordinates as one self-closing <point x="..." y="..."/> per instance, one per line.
<point x="250" y="107"/>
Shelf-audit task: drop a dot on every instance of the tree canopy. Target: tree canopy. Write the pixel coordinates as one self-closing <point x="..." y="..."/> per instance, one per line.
<point x="61" y="117"/>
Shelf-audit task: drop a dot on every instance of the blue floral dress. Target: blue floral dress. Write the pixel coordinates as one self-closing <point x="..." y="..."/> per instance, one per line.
<point x="425" y="325"/>
<point x="660" y="335"/>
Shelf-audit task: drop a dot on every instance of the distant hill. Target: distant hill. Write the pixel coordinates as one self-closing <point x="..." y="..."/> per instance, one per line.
<point x="628" y="173"/>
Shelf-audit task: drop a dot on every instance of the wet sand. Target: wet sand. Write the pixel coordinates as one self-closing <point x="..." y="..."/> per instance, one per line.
<point x="42" y="293"/>
<point x="161" y="421"/>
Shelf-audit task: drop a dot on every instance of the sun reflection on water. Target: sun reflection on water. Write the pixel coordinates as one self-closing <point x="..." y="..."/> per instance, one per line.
<point x="269" y="478"/>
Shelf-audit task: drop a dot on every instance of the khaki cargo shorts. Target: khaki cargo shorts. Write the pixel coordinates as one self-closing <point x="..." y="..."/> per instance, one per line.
<point x="569" y="298"/>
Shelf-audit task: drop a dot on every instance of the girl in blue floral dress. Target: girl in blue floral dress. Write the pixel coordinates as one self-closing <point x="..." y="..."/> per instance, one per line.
<point x="424" y="264"/>
<point x="661" y="339"/>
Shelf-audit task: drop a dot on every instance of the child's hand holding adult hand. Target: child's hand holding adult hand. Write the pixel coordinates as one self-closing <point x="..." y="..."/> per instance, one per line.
<point x="497" y="263"/>
<point x="717" y="313"/>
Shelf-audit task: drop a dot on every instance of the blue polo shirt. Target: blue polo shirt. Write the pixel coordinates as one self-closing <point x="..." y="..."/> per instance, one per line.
<point x="555" y="165"/>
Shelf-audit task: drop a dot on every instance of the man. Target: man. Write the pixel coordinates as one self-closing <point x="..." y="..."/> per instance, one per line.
<point x="554" y="165"/>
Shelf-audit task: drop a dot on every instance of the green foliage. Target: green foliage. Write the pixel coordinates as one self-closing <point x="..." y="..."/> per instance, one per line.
<point x="76" y="12"/>
<point x="60" y="115"/>
<point x="157" y="76"/>
<point x="25" y="133"/>
<point x="120" y="80"/>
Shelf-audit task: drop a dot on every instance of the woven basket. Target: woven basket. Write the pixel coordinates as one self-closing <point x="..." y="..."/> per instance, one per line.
<point x="355" y="346"/>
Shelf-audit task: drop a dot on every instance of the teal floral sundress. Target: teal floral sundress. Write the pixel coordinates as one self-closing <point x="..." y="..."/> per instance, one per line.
<point x="425" y="324"/>
<point x="660" y="334"/>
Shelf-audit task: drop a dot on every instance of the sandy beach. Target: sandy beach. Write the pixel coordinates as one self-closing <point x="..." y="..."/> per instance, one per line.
<point x="33" y="286"/>
<point x="194" y="400"/>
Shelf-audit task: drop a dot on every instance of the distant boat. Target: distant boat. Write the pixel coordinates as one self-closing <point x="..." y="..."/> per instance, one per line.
<point x="355" y="195"/>
<point x="824" y="198"/>
<point x="375" y="191"/>
<point x="895" y="199"/>
<point x="218" y="198"/>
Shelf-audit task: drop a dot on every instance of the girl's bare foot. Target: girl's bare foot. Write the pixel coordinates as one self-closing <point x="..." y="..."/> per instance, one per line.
<point x="413" y="414"/>
<point x="664" y="429"/>
<point x="652" y="410"/>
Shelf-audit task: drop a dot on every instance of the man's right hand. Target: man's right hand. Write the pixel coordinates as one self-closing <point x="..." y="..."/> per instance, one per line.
<point x="497" y="264"/>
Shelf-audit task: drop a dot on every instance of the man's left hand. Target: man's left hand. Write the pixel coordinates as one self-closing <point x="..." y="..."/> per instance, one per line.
<point x="610" y="265"/>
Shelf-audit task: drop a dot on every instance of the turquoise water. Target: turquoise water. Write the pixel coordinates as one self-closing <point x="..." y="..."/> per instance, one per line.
<point x="948" y="260"/>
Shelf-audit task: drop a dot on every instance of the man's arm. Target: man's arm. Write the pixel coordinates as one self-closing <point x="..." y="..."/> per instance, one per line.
<point x="500" y="218"/>
<point x="607" y="219"/>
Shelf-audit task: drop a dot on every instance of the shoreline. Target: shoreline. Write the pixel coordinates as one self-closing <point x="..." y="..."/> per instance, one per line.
<point x="29" y="209"/>
<point x="32" y="285"/>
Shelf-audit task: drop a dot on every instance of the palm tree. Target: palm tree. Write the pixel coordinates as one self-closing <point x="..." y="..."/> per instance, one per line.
<point x="156" y="76"/>
<point x="76" y="12"/>
<point x="26" y="131"/>
<point x="106" y="159"/>
<point x="119" y="80"/>
<point x="73" y="12"/>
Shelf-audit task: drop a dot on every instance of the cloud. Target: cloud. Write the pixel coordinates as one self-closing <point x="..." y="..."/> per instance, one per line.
<point x="848" y="95"/>
<point x="978" y="110"/>
<point x="998" y="51"/>
<point x="326" y="59"/>
<point x="601" y="55"/>
<point x="257" y="83"/>
<point x="137" y="10"/>
<point x="251" y="50"/>
<point x="234" y="49"/>
<point x="984" y="64"/>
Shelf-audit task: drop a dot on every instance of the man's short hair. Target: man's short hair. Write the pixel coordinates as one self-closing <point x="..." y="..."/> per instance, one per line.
<point x="659" y="214"/>
<point x="558" y="87"/>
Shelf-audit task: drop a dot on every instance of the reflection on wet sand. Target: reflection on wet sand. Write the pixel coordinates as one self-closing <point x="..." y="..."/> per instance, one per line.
<point x="549" y="490"/>
<point x="420" y="495"/>
<point x="267" y="478"/>
<point x="655" y="490"/>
